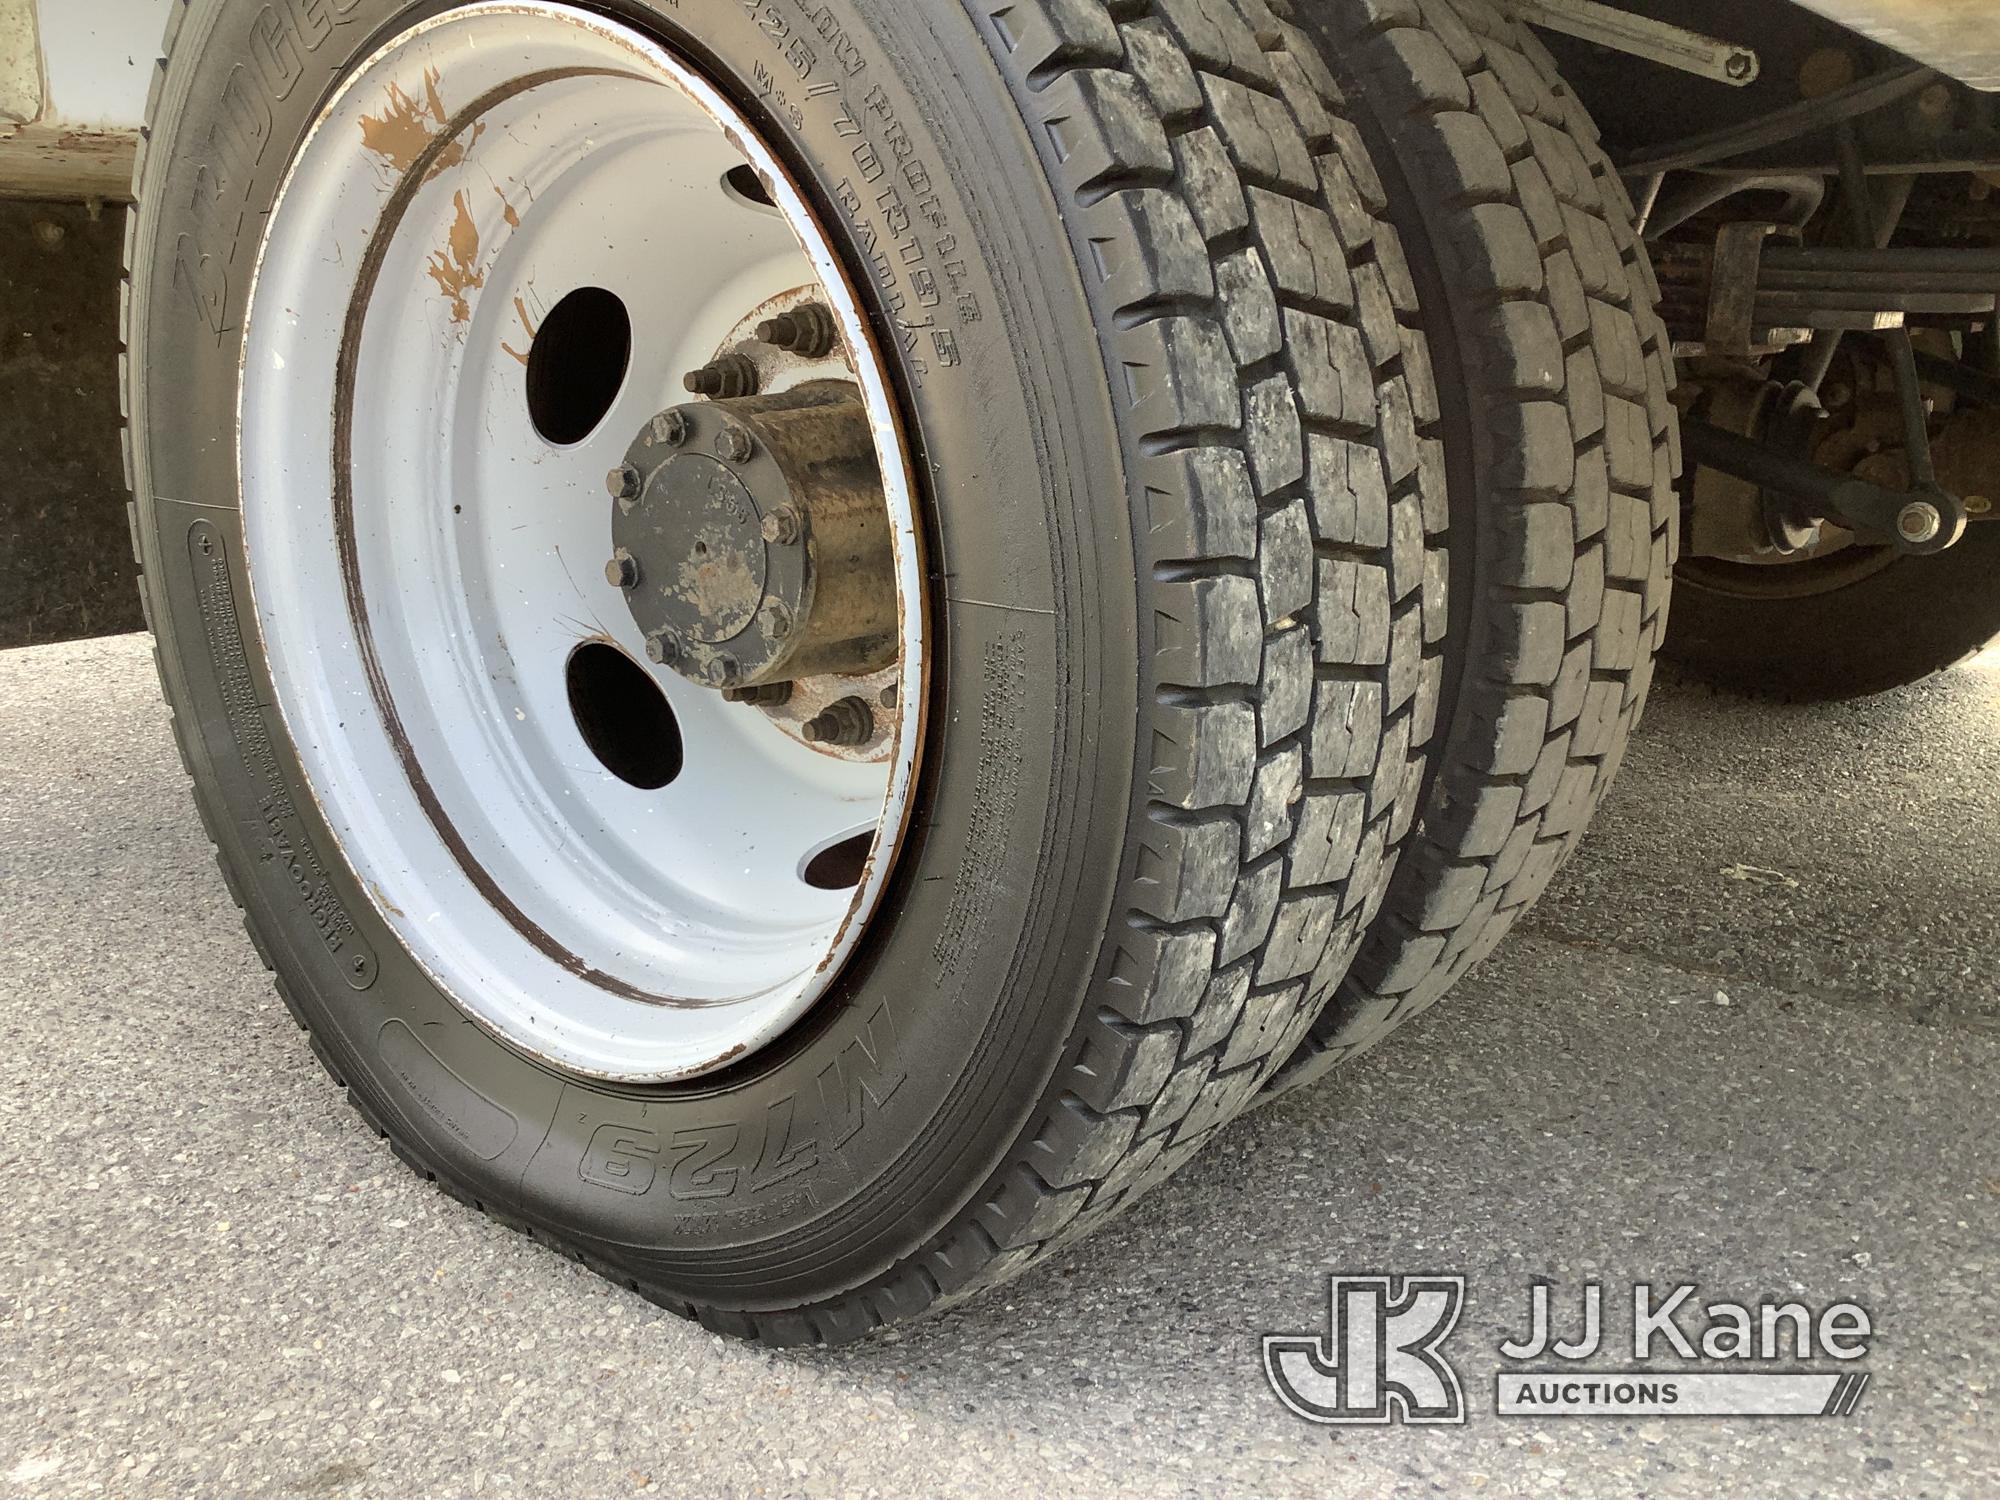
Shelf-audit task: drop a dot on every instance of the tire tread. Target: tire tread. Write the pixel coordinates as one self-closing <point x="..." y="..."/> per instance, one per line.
<point x="1257" y="459"/>
<point x="1570" y="372"/>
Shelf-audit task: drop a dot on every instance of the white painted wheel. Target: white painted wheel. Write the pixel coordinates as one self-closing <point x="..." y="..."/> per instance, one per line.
<point x="505" y="242"/>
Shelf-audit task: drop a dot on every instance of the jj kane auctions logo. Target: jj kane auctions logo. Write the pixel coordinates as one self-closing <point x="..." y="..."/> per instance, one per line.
<point x="1382" y="1357"/>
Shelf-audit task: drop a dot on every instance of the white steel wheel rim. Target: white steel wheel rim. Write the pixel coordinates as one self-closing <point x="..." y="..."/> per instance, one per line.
<point x="424" y="560"/>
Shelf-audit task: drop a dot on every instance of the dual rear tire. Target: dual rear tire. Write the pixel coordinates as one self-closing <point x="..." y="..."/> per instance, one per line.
<point x="1562" y="451"/>
<point x="1242" y="642"/>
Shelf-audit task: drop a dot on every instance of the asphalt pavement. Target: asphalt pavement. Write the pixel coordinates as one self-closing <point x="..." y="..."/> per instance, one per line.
<point x="1749" y="1040"/>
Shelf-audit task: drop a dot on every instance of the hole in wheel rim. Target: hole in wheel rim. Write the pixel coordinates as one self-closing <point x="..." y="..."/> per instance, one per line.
<point x="839" y="867"/>
<point x="744" y="182"/>
<point x="577" y="365"/>
<point x="642" y="936"/>
<point x="623" y="716"/>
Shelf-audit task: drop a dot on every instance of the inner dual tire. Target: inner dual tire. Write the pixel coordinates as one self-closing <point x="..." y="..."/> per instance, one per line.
<point x="1562" y="450"/>
<point x="1160" y="448"/>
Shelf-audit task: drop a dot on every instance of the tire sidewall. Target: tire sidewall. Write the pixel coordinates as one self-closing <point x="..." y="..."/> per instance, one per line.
<point x="814" y="1165"/>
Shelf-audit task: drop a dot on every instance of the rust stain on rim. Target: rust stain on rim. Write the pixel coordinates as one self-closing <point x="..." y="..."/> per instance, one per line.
<point x="345" y="382"/>
<point x="442" y="150"/>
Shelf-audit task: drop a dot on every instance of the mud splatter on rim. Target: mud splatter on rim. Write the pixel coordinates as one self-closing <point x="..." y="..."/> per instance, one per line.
<point x="503" y="244"/>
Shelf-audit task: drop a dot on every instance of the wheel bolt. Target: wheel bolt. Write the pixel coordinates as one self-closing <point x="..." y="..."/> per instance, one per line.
<point x="1919" y="521"/>
<point x="777" y="620"/>
<point x="771" y="695"/>
<point x="782" y="526"/>
<point x="849" y="722"/>
<point x="721" y="670"/>
<point x="671" y="428"/>
<point x="888" y="698"/>
<point x="729" y="376"/>
<point x="807" y="331"/>
<point x="624" y="482"/>
<point x="735" y="445"/>
<point x="622" y="572"/>
<point x="662" y="651"/>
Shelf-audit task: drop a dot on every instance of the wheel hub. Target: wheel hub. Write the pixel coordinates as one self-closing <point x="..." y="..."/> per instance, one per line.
<point x="753" y="539"/>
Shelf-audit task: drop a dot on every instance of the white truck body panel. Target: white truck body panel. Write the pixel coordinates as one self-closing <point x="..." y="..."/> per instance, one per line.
<point x="73" y="81"/>
<point x="74" y="76"/>
<point x="98" y="58"/>
<point x="1960" y="38"/>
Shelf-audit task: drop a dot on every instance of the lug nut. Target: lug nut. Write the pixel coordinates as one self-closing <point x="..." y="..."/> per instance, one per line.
<point x="735" y="445"/>
<point x="670" y="428"/>
<point x="721" y="670"/>
<point x="806" y="331"/>
<point x="776" y="620"/>
<point x="782" y="526"/>
<point x="661" y="650"/>
<point x="622" y="572"/>
<point x="729" y="376"/>
<point x="849" y="722"/>
<point x="624" y="482"/>
<point x="771" y="695"/>
<point x="1919" y="521"/>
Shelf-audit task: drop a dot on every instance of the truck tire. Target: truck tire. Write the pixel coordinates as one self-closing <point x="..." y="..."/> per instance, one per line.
<point x="1170" y="601"/>
<point x="1561" y="451"/>
<point x="1850" y="624"/>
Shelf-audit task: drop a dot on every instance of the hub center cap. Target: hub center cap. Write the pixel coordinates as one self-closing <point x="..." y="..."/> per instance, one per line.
<point x="702" y="513"/>
<point x="753" y="540"/>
